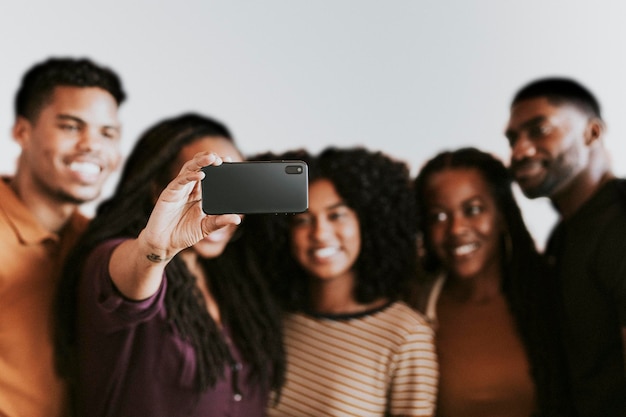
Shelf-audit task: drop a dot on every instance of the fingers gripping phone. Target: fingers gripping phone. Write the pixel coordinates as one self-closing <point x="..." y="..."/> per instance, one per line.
<point x="256" y="187"/>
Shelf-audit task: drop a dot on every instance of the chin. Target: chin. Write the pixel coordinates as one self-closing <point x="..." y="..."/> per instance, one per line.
<point x="465" y="273"/>
<point x="79" y="198"/>
<point x="326" y="274"/>
<point x="534" y="192"/>
<point x="83" y="192"/>
<point x="534" y="188"/>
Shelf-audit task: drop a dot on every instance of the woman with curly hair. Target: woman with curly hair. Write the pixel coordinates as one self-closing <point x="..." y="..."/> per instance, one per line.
<point x="339" y="268"/>
<point x="496" y="340"/>
<point x="160" y="304"/>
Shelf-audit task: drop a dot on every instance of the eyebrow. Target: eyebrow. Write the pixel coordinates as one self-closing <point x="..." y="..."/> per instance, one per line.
<point x="478" y="198"/>
<point x="72" y="118"/>
<point x="531" y="122"/>
<point x="328" y="208"/>
<point x="337" y="205"/>
<point x="534" y="121"/>
<point x="474" y="198"/>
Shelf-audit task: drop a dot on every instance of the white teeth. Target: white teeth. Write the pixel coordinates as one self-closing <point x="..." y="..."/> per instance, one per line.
<point x="85" y="167"/>
<point x="465" y="249"/>
<point x="326" y="252"/>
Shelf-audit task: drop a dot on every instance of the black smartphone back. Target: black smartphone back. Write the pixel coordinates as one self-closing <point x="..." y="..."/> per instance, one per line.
<point x="256" y="187"/>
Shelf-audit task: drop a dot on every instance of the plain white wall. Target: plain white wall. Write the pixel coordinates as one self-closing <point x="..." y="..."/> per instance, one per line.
<point x="409" y="77"/>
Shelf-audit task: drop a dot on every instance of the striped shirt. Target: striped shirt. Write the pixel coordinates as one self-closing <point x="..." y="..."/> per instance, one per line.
<point x="378" y="363"/>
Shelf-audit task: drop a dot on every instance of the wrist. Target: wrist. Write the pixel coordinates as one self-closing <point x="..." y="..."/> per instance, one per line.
<point x="151" y="252"/>
<point x="153" y="257"/>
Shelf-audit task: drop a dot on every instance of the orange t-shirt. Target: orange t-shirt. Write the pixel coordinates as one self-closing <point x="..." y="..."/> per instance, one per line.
<point x="483" y="366"/>
<point x="31" y="259"/>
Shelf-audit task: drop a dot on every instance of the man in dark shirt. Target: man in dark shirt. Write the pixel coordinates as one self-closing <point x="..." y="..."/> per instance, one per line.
<point x="555" y="132"/>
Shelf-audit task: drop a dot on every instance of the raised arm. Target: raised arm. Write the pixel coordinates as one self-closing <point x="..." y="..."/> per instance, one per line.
<point x="177" y="222"/>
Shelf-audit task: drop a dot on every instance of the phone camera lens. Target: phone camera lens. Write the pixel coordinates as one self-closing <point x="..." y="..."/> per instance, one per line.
<point x="293" y="169"/>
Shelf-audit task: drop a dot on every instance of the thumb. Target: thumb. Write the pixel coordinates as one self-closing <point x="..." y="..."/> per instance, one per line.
<point x="212" y="223"/>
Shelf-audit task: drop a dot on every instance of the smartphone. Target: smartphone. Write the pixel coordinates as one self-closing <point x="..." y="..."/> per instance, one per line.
<point x="256" y="187"/>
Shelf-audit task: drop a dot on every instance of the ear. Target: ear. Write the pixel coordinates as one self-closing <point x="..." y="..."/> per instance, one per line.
<point x="594" y="131"/>
<point x="22" y="131"/>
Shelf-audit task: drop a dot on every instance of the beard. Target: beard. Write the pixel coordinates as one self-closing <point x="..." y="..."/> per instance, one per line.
<point x="559" y="173"/>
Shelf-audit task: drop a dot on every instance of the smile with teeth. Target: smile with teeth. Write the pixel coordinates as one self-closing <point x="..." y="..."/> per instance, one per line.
<point x="327" y="252"/>
<point x="86" y="168"/>
<point x="464" y="249"/>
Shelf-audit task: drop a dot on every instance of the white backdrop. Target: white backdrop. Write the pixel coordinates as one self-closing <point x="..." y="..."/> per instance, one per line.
<point x="409" y="77"/>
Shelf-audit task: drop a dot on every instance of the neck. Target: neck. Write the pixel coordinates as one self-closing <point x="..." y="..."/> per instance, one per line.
<point x="478" y="290"/>
<point x="50" y="213"/>
<point x="336" y="297"/>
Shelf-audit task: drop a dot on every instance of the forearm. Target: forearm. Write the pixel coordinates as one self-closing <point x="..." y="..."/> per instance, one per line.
<point x="137" y="269"/>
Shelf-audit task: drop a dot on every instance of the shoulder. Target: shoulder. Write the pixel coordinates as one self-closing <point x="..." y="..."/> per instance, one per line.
<point x="403" y="321"/>
<point x="621" y="184"/>
<point x="603" y="215"/>
<point x="404" y="313"/>
<point x="610" y="219"/>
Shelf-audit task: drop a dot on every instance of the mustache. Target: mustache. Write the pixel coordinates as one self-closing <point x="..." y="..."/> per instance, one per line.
<point x="524" y="162"/>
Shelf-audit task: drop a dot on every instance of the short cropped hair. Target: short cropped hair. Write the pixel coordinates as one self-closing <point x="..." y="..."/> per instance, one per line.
<point x="39" y="82"/>
<point x="558" y="91"/>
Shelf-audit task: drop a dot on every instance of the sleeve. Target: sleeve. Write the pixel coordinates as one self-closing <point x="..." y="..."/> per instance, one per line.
<point x="102" y="301"/>
<point x="413" y="390"/>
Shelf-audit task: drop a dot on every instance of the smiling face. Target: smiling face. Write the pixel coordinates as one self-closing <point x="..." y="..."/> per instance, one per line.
<point x="71" y="147"/>
<point x="464" y="226"/>
<point x="326" y="240"/>
<point x="547" y="145"/>
<point x="213" y="244"/>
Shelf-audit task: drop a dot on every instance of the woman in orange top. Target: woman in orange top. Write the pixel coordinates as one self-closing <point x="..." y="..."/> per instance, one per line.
<point x="494" y="334"/>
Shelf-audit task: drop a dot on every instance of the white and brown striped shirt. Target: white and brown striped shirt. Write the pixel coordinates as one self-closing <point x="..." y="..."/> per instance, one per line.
<point x="378" y="363"/>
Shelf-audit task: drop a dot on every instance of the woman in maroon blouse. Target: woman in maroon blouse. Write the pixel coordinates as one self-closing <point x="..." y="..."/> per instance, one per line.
<point x="160" y="304"/>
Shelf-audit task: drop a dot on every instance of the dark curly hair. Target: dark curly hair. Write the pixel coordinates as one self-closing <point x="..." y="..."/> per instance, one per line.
<point x="525" y="281"/>
<point x="244" y="300"/>
<point x="39" y="82"/>
<point x="378" y="189"/>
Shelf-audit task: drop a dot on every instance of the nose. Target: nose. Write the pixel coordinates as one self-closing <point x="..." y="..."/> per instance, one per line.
<point x="522" y="148"/>
<point x="89" y="140"/>
<point x="320" y="229"/>
<point x="457" y="225"/>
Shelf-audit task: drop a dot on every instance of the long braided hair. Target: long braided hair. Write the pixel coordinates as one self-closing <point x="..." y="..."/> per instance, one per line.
<point x="244" y="301"/>
<point x="525" y="283"/>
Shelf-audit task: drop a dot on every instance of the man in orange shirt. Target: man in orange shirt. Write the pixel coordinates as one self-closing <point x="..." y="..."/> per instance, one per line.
<point x="67" y="126"/>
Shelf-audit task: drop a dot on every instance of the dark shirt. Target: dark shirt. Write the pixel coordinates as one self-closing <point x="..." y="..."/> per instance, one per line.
<point x="133" y="364"/>
<point x="589" y="253"/>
